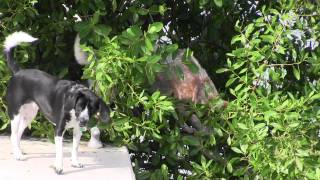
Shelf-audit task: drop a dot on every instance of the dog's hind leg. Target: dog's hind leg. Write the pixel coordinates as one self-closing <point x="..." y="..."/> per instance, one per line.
<point x="28" y="112"/>
<point x="15" y="140"/>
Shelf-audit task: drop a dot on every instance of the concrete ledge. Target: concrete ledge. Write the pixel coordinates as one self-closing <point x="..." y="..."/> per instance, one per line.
<point x="105" y="163"/>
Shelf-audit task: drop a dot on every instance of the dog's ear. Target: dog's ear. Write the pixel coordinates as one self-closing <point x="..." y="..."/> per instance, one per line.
<point x="70" y="100"/>
<point x="104" y="111"/>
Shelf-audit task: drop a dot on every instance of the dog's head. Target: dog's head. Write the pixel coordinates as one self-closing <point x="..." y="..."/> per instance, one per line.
<point x="86" y="104"/>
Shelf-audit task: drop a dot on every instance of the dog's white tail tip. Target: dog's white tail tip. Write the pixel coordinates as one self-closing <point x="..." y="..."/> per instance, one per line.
<point x="80" y="56"/>
<point x="16" y="38"/>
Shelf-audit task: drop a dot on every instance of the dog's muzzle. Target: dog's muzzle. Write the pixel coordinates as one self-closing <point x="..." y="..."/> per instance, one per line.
<point x="83" y="122"/>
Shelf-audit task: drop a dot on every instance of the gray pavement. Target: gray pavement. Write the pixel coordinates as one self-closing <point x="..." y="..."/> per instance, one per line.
<point x="110" y="163"/>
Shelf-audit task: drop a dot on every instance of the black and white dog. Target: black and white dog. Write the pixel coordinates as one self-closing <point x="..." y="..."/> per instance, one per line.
<point x="65" y="103"/>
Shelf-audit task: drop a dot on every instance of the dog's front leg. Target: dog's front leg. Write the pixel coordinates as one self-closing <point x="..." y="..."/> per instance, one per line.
<point x="75" y="146"/>
<point x="59" y="154"/>
<point x="94" y="141"/>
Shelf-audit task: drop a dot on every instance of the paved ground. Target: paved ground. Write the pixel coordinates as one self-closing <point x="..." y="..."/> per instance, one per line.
<point x="106" y="163"/>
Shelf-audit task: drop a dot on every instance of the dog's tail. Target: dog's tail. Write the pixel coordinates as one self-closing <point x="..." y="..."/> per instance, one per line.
<point x="80" y="56"/>
<point x="10" y="43"/>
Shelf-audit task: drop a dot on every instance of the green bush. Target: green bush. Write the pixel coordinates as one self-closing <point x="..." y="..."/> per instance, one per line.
<point x="267" y="67"/>
<point x="274" y="77"/>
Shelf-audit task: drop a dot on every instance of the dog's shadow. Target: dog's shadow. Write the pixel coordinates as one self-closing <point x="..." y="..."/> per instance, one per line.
<point x="87" y="166"/>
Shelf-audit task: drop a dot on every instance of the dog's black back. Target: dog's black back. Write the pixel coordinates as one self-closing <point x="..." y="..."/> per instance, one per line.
<point x="30" y="85"/>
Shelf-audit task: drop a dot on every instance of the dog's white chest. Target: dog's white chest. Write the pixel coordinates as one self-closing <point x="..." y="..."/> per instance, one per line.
<point x="73" y="120"/>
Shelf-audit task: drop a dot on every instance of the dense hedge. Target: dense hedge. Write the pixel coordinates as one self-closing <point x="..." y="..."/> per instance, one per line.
<point x="262" y="55"/>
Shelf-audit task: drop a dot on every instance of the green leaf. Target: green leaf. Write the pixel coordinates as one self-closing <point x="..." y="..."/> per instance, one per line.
<point x="166" y="105"/>
<point x="277" y="126"/>
<point x="4" y="126"/>
<point x="230" y="81"/>
<point x="299" y="164"/>
<point x="237" y="38"/>
<point x="230" y="55"/>
<point x="255" y="42"/>
<point x="238" y="65"/>
<point x="229" y="62"/>
<point x="102" y="30"/>
<point x="267" y="38"/>
<point x="237" y="150"/>
<point x="84" y="28"/>
<point x="171" y="48"/>
<point x="256" y="56"/>
<point x="294" y="54"/>
<point x="222" y="70"/>
<point x="238" y="87"/>
<point x="219" y="3"/>
<point x="203" y="3"/>
<point x="281" y="50"/>
<point x="249" y="30"/>
<point x="164" y="170"/>
<point x="134" y="31"/>
<point x="229" y="167"/>
<point x="155" y="27"/>
<point x="259" y="126"/>
<point x="240" y="52"/>
<point x="302" y="153"/>
<point x="243" y="70"/>
<point x="293" y="125"/>
<point x="135" y="17"/>
<point x="154" y="59"/>
<point x="218" y="131"/>
<point x="274" y="11"/>
<point x="143" y="11"/>
<point x="232" y="92"/>
<point x="244" y="148"/>
<point x="148" y="44"/>
<point x="242" y="126"/>
<point x="114" y="5"/>
<point x="95" y="18"/>
<point x="191" y="140"/>
<point x="296" y="72"/>
<point x="180" y="177"/>
<point x="315" y="97"/>
<point x="162" y="9"/>
<point x="156" y="135"/>
<point x="229" y="141"/>
<point x="269" y="114"/>
<point x="143" y="59"/>
<point x="155" y="95"/>
<point x="108" y="78"/>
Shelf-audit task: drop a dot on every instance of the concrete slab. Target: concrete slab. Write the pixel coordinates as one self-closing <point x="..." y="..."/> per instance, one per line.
<point x="105" y="163"/>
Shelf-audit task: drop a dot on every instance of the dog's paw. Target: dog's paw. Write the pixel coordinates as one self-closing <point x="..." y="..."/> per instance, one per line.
<point x="96" y="144"/>
<point x="58" y="170"/>
<point x="77" y="165"/>
<point x="20" y="157"/>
